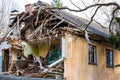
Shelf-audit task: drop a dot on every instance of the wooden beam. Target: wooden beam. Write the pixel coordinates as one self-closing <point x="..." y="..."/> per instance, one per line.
<point x="18" y="28"/>
<point x="37" y="16"/>
<point x="39" y="28"/>
<point x="69" y="22"/>
<point x="57" y="24"/>
<point x="36" y="31"/>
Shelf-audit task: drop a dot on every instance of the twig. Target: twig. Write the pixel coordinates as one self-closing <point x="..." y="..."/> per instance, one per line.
<point x="83" y="3"/>
<point x="113" y="16"/>
<point x="75" y="5"/>
<point x="99" y="24"/>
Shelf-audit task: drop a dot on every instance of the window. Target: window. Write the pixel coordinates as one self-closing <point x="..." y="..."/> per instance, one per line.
<point x="92" y="54"/>
<point x="109" y="58"/>
<point x="55" y="52"/>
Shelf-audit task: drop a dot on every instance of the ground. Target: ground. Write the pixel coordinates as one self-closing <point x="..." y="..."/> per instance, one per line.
<point x="6" y="77"/>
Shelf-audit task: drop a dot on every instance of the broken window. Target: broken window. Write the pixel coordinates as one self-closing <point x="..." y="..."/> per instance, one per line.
<point x="55" y="52"/>
<point x="92" y="54"/>
<point x="109" y="58"/>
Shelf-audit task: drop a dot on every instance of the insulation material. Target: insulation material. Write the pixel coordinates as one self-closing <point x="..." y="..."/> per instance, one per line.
<point x="43" y="49"/>
<point x="27" y="48"/>
<point x="14" y="55"/>
<point x="37" y="49"/>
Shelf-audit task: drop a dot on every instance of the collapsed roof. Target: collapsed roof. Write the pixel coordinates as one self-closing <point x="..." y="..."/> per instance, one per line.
<point x="60" y="16"/>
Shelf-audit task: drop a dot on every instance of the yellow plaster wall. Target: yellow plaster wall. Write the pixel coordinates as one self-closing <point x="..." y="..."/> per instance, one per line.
<point x="76" y="62"/>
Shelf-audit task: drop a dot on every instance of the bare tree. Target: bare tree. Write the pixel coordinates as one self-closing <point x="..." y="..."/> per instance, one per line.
<point x="5" y="8"/>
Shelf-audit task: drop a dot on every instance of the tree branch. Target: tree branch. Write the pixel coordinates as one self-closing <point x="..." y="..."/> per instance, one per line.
<point x="92" y="17"/>
<point x="94" y="5"/>
<point x="113" y="16"/>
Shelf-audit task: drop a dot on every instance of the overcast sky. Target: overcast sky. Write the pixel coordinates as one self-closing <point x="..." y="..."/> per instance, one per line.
<point x="67" y="3"/>
<point x="22" y="3"/>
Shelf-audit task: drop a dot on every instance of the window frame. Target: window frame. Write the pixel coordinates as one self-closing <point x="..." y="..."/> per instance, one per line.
<point x="93" y="53"/>
<point x="108" y="64"/>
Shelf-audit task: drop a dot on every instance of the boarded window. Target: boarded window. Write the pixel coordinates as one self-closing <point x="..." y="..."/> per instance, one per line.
<point x="109" y="58"/>
<point x="92" y="54"/>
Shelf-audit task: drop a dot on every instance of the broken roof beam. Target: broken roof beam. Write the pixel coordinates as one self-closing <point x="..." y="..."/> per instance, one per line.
<point x="69" y="22"/>
<point x="57" y="24"/>
<point x="37" y="16"/>
<point x="37" y="30"/>
<point x="18" y="28"/>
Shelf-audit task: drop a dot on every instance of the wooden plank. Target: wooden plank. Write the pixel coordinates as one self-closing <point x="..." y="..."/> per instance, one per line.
<point x="38" y="29"/>
<point x="18" y="28"/>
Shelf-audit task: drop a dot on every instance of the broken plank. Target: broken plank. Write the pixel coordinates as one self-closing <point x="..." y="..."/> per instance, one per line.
<point x="38" y="29"/>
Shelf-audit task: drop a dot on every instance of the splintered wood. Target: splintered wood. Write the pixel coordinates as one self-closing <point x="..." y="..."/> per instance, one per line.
<point x="39" y="25"/>
<point x="31" y="69"/>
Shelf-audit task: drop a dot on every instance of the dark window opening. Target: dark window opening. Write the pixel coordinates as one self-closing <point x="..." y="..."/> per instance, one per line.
<point x="109" y="58"/>
<point x="55" y="52"/>
<point x="92" y="54"/>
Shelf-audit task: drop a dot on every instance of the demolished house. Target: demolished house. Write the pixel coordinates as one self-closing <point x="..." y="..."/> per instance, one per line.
<point x="51" y="43"/>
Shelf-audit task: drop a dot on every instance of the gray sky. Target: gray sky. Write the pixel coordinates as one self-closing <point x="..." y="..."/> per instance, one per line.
<point x="67" y="3"/>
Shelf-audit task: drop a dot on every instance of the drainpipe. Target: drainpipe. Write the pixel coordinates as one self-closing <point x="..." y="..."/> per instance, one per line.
<point x="63" y="47"/>
<point x="87" y="37"/>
